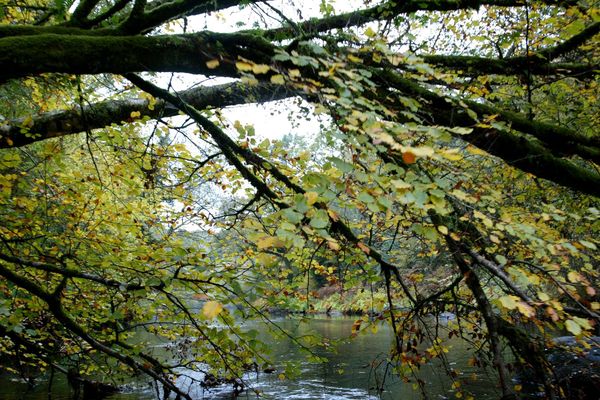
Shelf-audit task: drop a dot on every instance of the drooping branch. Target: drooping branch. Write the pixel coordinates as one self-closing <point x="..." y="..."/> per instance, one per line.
<point x="56" y="308"/>
<point x="75" y="273"/>
<point x="231" y="151"/>
<point x="483" y="304"/>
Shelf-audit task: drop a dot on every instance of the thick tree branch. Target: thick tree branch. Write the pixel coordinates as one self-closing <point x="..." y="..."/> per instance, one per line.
<point x="485" y="307"/>
<point x="477" y="66"/>
<point x="570" y="44"/>
<point x="99" y="115"/>
<point x="31" y="55"/>
<point x="517" y="150"/>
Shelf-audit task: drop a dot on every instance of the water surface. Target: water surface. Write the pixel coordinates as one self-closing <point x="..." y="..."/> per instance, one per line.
<point x="354" y="371"/>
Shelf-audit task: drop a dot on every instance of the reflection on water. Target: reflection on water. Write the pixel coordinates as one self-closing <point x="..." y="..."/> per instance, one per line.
<point x="354" y="371"/>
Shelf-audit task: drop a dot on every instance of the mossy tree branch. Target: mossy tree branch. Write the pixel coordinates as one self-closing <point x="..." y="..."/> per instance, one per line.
<point x="106" y="113"/>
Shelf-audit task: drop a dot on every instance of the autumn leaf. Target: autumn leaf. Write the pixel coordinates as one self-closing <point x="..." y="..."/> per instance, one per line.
<point x="509" y="302"/>
<point x="311" y="197"/>
<point x="212" y="64"/>
<point x="408" y="157"/>
<point x="243" y="66"/>
<point x="333" y="245"/>
<point x="355" y="327"/>
<point x="277" y="79"/>
<point x="260" y="69"/>
<point x="370" y="32"/>
<point x="364" y="247"/>
<point x="211" y="309"/>
<point x="268" y="242"/>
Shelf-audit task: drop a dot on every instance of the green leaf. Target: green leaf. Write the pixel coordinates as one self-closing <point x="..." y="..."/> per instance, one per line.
<point x="320" y="220"/>
<point x="572" y="327"/>
<point x="509" y="302"/>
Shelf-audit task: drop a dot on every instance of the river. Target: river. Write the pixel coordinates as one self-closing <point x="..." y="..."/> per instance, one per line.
<point x="350" y="372"/>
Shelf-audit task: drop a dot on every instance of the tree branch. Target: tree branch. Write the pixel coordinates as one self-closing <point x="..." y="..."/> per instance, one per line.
<point x="517" y="150"/>
<point x="570" y="44"/>
<point x="389" y="10"/>
<point x="230" y="149"/>
<point x="82" y="11"/>
<point x="102" y="114"/>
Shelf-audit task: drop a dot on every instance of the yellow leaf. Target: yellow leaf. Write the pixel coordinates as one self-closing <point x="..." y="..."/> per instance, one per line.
<point x="269" y="241"/>
<point x="509" y="302"/>
<point x="400" y="184"/>
<point x="442" y="229"/>
<point x="211" y="309"/>
<point x="354" y="59"/>
<point x="476" y="151"/>
<point x="27" y="122"/>
<point x="212" y="64"/>
<point x="574" y="277"/>
<point x="525" y="309"/>
<point x="582" y="322"/>
<point x="294" y="73"/>
<point x="370" y="32"/>
<point x="333" y="245"/>
<point x="260" y="68"/>
<point x="135" y="114"/>
<point x="451" y="155"/>
<point x="311" y="198"/>
<point x="422" y="151"/>
<point x="243" y="66"/>
<point x="249" y="80"/>
<point x="277" y="79"/>
<point x="266" y="260"/>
